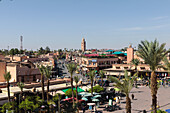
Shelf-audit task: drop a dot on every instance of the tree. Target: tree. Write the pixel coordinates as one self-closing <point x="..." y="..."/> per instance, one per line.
<point x="41" y="69"/>
<point x="26" y="105"/>
<point x="16" y="51"/>
<point x="47" y="72"/>
<point x="101" y="73"/>
<point x="21" y="51"/>
<point x="57" y="97"/>
<point x="68" y="108"/>
<point x="135" y="62"/>
<point x="125" y="86"/>
<point x="166" y="64"/>
<point x="152" y="54"/>
<point x="21" y="86"/>
<point x="97" y="89"/>
<point x="76" y="79"/>
<point x="69" y="93"/>
<point x="7" y="77"/>
<point x="47" y="50"/>
<point x="72" y="68"/>
<point x="41" y="51"/>
<point x="12" y="53"/>
<point x="92" y="75"/>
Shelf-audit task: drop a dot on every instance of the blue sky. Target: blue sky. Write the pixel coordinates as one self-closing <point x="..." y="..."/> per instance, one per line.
<point x="103" y="23"/>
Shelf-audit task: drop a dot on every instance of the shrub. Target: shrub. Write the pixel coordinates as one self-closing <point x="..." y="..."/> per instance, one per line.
<point x="160" y="111"/>
<point x="69" y="93"/>
<point x="10" y="106"/>
<point x="97" y="89"/>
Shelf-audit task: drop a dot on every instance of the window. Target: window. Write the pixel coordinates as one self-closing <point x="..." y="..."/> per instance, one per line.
<point x="125" y="67"/>
<point x="94" y="63"/>
<point x="117" y="67"/>
<point x="142" y="68"/>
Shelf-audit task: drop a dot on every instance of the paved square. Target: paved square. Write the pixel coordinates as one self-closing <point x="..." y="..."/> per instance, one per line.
<point x="142" y="100"/>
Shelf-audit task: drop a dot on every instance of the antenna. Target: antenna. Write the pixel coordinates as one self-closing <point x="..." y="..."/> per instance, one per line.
<point x="21" y="39"/>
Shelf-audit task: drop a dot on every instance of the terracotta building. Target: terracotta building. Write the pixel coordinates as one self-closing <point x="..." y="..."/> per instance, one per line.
<point x="20" y="71"/>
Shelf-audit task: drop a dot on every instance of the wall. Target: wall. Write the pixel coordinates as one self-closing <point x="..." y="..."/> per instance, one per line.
<point x="12" y="69"/>
<point x="130" y="55"/>
<point x="2" y="71"/>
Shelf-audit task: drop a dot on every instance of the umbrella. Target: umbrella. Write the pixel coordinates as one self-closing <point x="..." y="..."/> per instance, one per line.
<point x="95" y="100"/>
<point x="117" y="89"/>
<point x="87" y="95"/>
<point x="95" y="93"/>
<point x="167" y="110"/>
<point x="82" y="93"/>
<point x="91" y="104"/>
<point x="96" y="96"/>
<point x="84" y="99"/>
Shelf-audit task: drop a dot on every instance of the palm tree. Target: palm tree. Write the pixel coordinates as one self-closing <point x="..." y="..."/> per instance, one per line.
<point x="57" y="97"/>
<point x="101" y="73"/>
<point x="92" y="75"/>
<point x="135" y="62"/>
<point x="166" y="64"/>
<point x="21" y="86"/>
<point x="125" y="86"/>
<point x="41" y="69"/>
<point x="7" y="77"/>
<point x="152" y="54"/>
<point x="76" y="79"/>
<point x="72" y="68"/>
<point x="47" y="72"/>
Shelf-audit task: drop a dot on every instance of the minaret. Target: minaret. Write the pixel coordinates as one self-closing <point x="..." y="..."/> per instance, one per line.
<point x="21" y="39"/>
<point x="130" y="54"/>
<point x="83" y="45"/>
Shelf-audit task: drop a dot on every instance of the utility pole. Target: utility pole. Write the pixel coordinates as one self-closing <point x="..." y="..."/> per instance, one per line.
<point x="21" y="39"/>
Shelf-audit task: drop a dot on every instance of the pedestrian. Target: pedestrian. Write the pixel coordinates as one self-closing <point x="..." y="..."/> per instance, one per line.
<point x="133" y="96"/>
<point x="117" y="100"/>
<point x="144" y="111"/>
<point x="84" y="109"/>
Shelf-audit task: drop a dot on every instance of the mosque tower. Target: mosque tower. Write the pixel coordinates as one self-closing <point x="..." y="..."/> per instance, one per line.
<point x="83" y="45"/>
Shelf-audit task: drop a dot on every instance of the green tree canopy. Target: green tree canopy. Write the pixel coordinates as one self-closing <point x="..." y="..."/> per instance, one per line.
<point x="69" y="93"/>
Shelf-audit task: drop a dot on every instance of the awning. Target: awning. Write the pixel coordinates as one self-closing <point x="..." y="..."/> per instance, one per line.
<point x="109" y="50"/>
<point x="94" y="60"/>
<point x="78" y="90"/>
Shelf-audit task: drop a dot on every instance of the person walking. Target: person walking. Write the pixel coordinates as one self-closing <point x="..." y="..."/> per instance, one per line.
<point x="133" y="96"/>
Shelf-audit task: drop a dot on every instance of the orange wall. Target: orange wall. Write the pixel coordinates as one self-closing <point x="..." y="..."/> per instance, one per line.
<point x="2" y="71"/>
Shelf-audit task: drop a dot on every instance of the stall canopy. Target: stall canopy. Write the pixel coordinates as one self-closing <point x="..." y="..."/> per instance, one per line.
<point x="109" y="50"/>
<point x="78" y="90"/>
<point x="119" y="52"/>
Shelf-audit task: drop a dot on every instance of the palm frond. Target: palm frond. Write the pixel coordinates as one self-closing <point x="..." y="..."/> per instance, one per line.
<point x="101" y="73"/>
<point x="76" y="79"/>
<point x="71" y="68"/>
<point x="152" y="53"/>
<point x="124" y="85"/>
<point x="7" y="76"/>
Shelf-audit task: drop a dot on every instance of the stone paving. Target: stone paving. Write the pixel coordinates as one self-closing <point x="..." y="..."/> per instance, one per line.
<point x="142" y="100"/>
